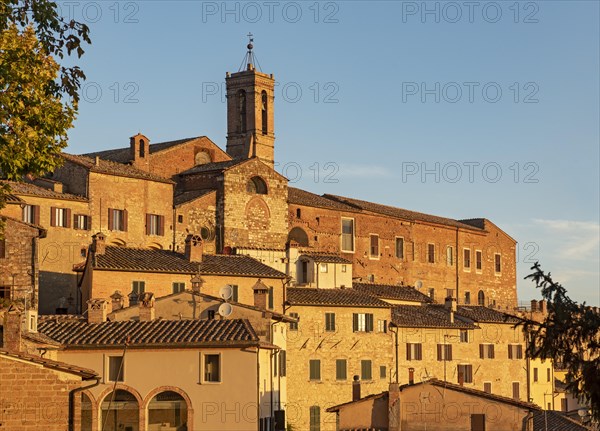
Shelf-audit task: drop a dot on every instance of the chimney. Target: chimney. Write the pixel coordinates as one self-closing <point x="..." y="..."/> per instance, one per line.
<point x="534" y="305"/>
<point x="97" y="161"/>
<point x="542" y="305"/>
<point x="193" y="248"/>
<point x="147" y="310"/>
<point x="411" y="376"/>
<point x="355" y="389"/>
<point x="12" y="329"/>
<point x="450" y="303"/>
<point x="139" y="151"/>
<point x="260" y="294"/>
<point x="394" y="407"/>
<point x="98" y="243"/>
<point x="117" y="300"/>
<point x="97" y="310"/>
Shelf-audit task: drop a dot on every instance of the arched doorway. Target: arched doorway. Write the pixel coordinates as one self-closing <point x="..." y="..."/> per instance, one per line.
<point x="120" y="412"/>
<point x="168" y="408"/>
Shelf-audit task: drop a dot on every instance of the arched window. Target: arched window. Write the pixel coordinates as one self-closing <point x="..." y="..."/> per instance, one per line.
<point x="298" y="235"/>
<point x="481" y="298"/>
<point x="167" y="408"/>
<point x="202" y="158"/>
<point x="256" y="185"/>
<point x="142" y="149"/>
<point x="264" y="112"/>
<point x="242" y="110"/>
<point x="120" y="410"/>
<point x="86" y="413"/>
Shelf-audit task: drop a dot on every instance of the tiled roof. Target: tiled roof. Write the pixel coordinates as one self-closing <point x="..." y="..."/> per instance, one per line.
<point x="42" y="230"/>
<point x="123" y="155"/>
<point x="144" y="259"/>
<point x="214" y="166"/>
<point x="335" y="297"/>
<point x="479" y="313"/>
<point x="39" y="338"/>
<point x="185" y="197"/>
<point x="221" y="264"/>
<point x="337" y="407"/>
<point x="302" y="197"/>
<point x="326" y="258"/>
<point x="77" y="333"/>
<point x="85" y="373"/>
<point x="150" y="260"/>
<point x="400" y="213"/>
<point x="555" y="421"/>
<point x="427" y="316"/>
<point x="477" y="222"/>
<point x="114" y="168"/>
<point x="403" y="293"/>
<point x="29" y="189"/>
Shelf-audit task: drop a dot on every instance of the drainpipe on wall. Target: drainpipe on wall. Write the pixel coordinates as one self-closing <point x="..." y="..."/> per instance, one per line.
<point x="72" y="402"/>
<point x="456" y="262"/>
<point x="258" y="387"/>
<point x="174" y="226"/>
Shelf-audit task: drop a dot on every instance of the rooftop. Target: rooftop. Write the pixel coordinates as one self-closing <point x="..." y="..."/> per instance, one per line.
<point x="326" y="258"/>
<point x="84" y="373"/>
<point x="427" y="316"/>
<point x="302" y="197"/>
<point x="335" y="297"/>
<point x="28" y="189"/>
<point x="387" y="291"/>
<point x="189" y="196"/>
<point x="479" y="313"/>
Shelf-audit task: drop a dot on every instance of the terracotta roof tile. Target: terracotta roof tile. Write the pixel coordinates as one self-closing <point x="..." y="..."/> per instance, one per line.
<point x="399" y="212"/>
<point x="220" y="264"/>
<point x="427" y="316"/>
<point x="28" y="189"/>
<point x="334" y="297"/>
<point x="214" y="166"/>
<point x="78" y="333"/>
<point x="185" y="197"/>
<point x="85" y="373"/>
<point x="326" y="258"/>
<point x="114" y="168"/>
<point x="302" y="197"/>
<point x="403" y="293"/>
<point x="555" y="421"/>
<point x="479" y="313"/>
<point x="123" y="155"/>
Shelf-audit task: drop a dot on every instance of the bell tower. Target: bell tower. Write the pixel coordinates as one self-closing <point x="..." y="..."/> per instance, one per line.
<point x="250" y="96"/>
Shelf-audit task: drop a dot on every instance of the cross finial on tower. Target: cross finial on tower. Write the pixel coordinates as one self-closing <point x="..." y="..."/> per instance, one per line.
<point x="250" y="40"/>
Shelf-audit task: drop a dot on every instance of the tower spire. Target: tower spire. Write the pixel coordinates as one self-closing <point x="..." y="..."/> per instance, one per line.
<point x="250" y="60"/>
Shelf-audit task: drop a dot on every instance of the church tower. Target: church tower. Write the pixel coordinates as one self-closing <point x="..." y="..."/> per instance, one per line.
<point x="250" y="96"/>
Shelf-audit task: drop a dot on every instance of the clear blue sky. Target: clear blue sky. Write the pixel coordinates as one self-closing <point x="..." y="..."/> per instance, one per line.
<point x="484" y="109"/>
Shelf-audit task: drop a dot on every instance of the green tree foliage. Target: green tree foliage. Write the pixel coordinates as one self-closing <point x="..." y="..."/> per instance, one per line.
<point x="570" y="336"/>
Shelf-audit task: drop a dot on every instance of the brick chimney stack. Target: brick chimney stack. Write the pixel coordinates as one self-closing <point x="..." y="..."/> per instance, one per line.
<point x="97" y="310"/>
<point x="13" y="327"/>
<point x="118" y="300"/>
<point x="147" y="309"/>
<point x="260" y="294"/>
<point x="99" y="243"/>
<point x="355" y="389"/>
<point x="193" y="248"/>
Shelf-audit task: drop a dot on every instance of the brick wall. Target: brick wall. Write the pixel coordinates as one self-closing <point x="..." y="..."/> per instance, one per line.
<point x="198" y="218"/>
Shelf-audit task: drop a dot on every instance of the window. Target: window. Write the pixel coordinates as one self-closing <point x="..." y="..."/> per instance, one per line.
<point x="180" y="218"/>
<point x="564" y="406"/>
<point x="348" y="235"/>
<point x="2" y="248"/>
<point x="374" y="248"/>
<point x="315" y="418"/>
<point x="535" y="375"/>
<point x="432" y="294"/>
<point x="365" y="369"/>
<point x="341" y="369"/>
<point x="477" y="422"/>
<point x="486" y="351"/>
<point x="142" y="149"/>
<point x="116" y="367"/>
<point x="314" y="371"/>
<point x="382" y="326"/>
<point x="138" y="287"/>
<point x="464" y="336"/>
<point x="282" y="363"/>
<point x="242" y="111"/>
<point x="264" y="112"/>
<point x="234" y="292"/>
<point x="294" y="325"/>
<point x="117" y="220"/>
<point x="362" y="322"/>
<point x="178" y="287"/>
<point x="515" y="351"/>
<point x="270" y="298"/>
<point x="60" y="217"/>
<point x="344" y="268"/>
<point x="444" y="352"/>
<point x="5" y="292"/>
<point x="210" y="314"/>
<point x="382" y="372"/>
<point x="449" y="293"/>
<point x="330" y="322"/>
<point x="497" y="262"/>
<point x="450" y="255"/>
<point x="400" y="248"/>
<point x="548" y="372"/>
<point x="466" y="373"/>
<point x="31" y="214"/>
<point x="82" y="222"/>
<point x="414" y="351"/>
<point x="478" y="263"/>
<point x="298" y="213"/>
<point x="212" y="368"/>
<point x="481" y="298"/>
<point x="257" y="186"/>
<point x="487" y="387"/>
<point x="155" y="224"/>
<point x="431" y="253"/>
<point x="467" y="258"/>
<point x="323" y="267"/>
<point x="467" y="298"/>
<point x="515" y="390"/>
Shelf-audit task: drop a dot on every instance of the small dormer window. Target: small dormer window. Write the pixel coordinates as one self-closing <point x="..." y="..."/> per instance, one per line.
<point x="142" y="149"/>
<point x="257" y="186"/>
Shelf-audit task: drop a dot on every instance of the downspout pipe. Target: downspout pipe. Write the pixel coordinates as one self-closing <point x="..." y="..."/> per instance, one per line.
<point x="72" y="402"/>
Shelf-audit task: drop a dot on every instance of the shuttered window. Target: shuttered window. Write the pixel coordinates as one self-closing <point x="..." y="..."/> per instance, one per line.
<point x="82" y="222"/>
<point x="414" y="351"/>
<point x="444" y="352"/>
<point x="31" y="214"/>
<point x="466" y="372"/>
<point x="270" y="297"/>
<point x="348" y="235"/>
<point x="341" y="369"/>
<point x="294" y="325"/>
<point x="478" y="263"/>
<point x="467" y="258"/>
<point x="487" y="387"/>
<point x="366" y="372"/>
<point x="115" y="368"/>
<point x="117" y="220"/>
<point x="282" y="363"/>
<point x="515" y="390"/>
<point x="60" y="217"/>
<point x="362" y="322"/>
<point x="486" y="351"/>
<point x="155" y="224"/>
<point x="314" y="369"/>
<point x="330" y="322"/>
<point x="178" y="287"/>
<point x="315" y="418"/>
<point x="235" y="292"/>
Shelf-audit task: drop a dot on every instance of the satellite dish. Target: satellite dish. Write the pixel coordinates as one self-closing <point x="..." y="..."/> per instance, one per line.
<point x="225" y="310"/>
<point x="226" y="292"/>
<point x="419" y="284"/>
